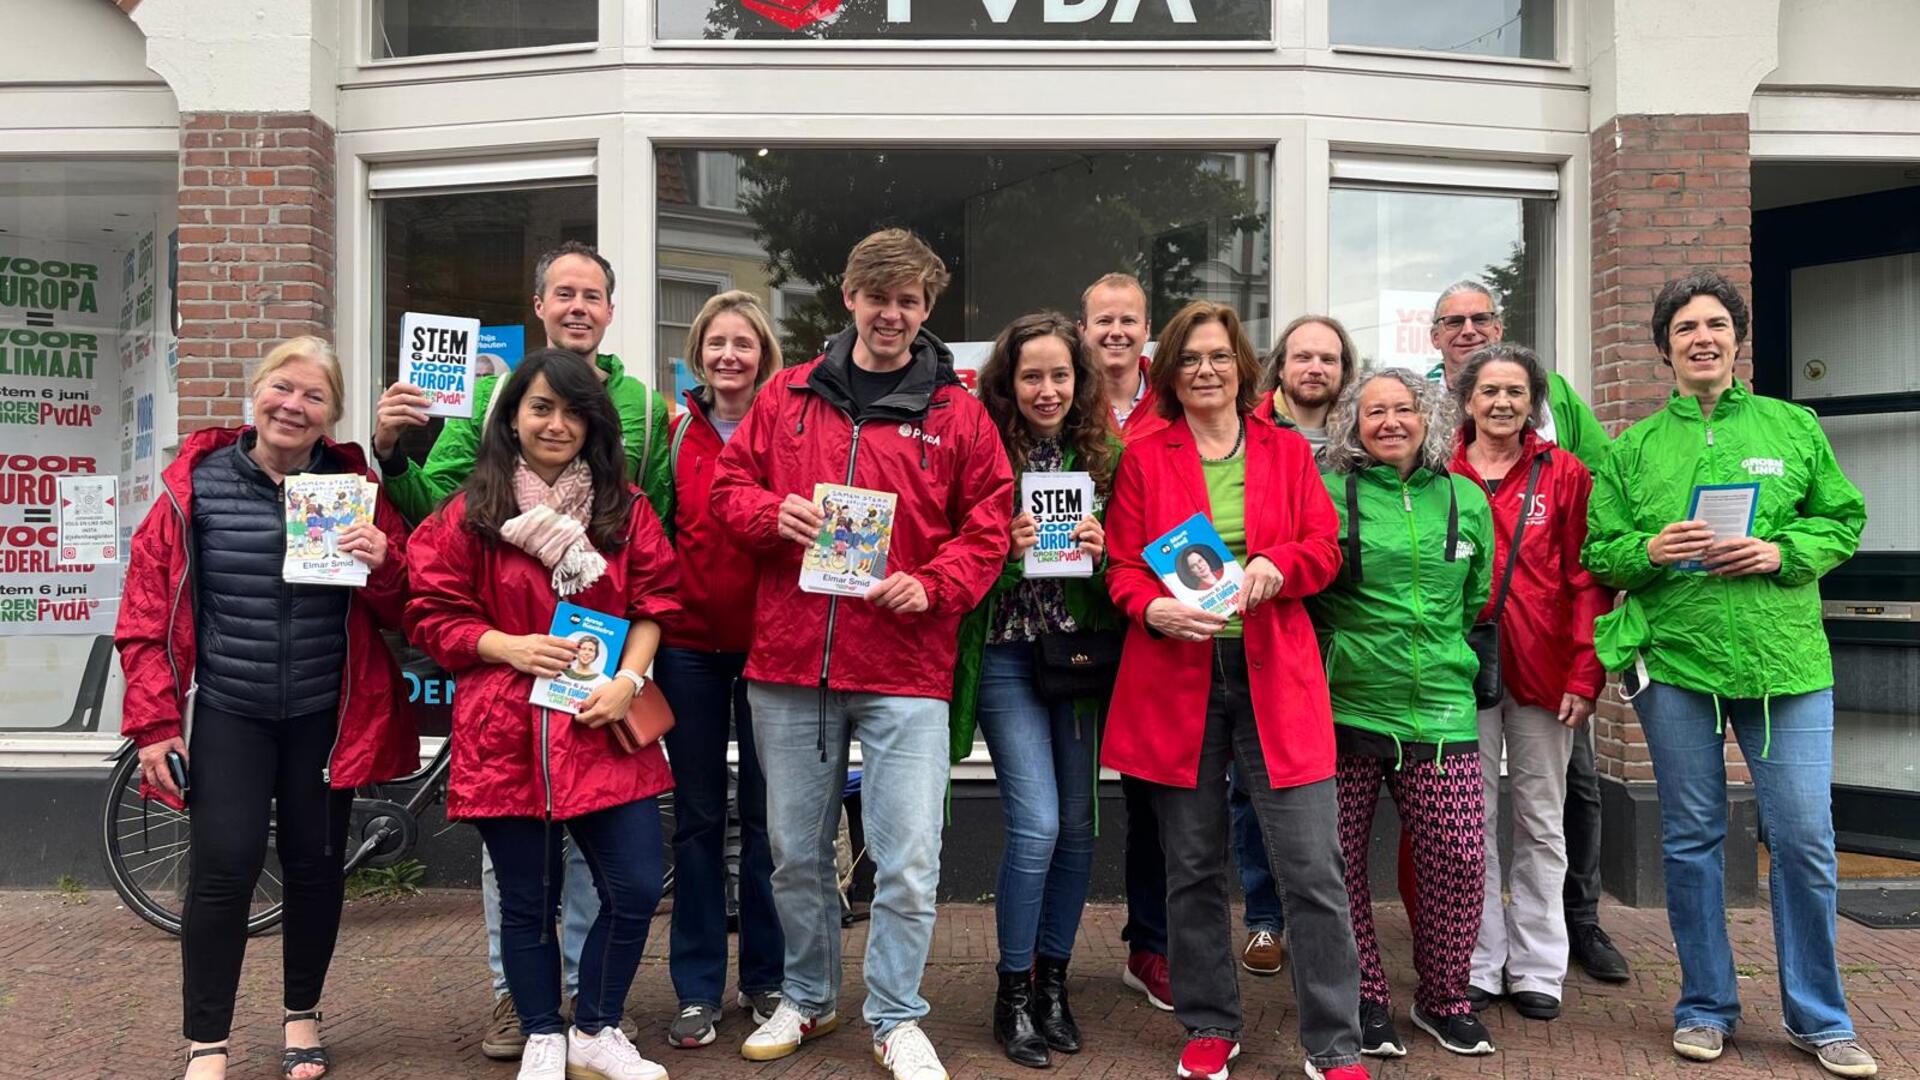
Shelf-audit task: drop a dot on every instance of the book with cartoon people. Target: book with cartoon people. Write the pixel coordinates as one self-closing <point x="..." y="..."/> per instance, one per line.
<point x="319" y="507"/>
<point x="849" y="554"/>
<point x="1196" y="567"/>
<point x="598" y="639"/>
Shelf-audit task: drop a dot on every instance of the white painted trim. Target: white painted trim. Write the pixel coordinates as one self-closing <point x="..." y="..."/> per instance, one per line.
<point x="1814" y="125"/>
<point x="1398" y="171"/>
<point x="387" y="179"/>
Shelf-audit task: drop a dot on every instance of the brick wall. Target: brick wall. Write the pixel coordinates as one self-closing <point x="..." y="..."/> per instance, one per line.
<point x="256" y="249"/>
<point x="1671" y="194"/>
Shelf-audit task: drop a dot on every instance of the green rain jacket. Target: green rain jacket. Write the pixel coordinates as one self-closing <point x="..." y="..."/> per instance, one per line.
<point x="1755" y="636"/>
<point x="644" y="418"/>
<point x="1087" y="603"/>
<point x="1575" y="429"/>
<point x="1395" y="643"/>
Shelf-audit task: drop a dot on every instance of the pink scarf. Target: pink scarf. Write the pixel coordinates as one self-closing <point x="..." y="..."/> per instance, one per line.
<point x="552" y="525"/>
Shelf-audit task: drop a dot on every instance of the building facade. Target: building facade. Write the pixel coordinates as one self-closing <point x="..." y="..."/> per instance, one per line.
<point x="218" y="175"/>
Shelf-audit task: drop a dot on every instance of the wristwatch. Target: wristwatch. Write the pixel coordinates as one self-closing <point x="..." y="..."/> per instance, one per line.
<point x="638" y="680"/>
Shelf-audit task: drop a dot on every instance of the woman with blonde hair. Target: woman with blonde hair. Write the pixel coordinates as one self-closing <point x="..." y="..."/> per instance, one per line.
<point x="295" y="700"/>
<point x="732" y="351"/>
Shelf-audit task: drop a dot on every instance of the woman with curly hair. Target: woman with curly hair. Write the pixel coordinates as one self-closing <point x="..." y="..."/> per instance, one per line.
<point x="1043" y="391"/>
<point x="1393" y="628"/>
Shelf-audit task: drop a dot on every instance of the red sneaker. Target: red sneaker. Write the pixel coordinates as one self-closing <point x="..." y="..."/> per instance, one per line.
<point x="1147" y="973"/>
<point x="1344" y="1072"/>
<point x="1206" y="1057"/>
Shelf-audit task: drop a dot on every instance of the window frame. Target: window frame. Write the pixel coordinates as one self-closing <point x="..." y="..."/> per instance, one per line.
<point x="358" y="25"/>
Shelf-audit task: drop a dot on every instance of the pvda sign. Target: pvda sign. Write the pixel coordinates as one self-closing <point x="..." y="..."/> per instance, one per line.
<point x="1170" y="21"/>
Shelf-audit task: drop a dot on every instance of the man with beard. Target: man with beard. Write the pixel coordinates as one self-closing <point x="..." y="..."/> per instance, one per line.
<point x="1306" y="372"/>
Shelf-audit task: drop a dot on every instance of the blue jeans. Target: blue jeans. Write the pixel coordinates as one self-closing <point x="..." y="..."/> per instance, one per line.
<point x="621" y="845"/>
<point x="1263" y="911"/>
<point x="709" y="700"/>
<point x="579" y="906"/>
<point x="1794" y="782"/>
<point x="903" y="787"/>
<point x="1043" y="760"/>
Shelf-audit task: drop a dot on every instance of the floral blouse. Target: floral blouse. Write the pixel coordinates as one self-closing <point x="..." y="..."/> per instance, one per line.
<point x="1039" y="605"/>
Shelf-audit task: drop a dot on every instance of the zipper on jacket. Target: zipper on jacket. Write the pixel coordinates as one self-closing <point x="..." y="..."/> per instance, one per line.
<point x="346" y="691"/>
<point x="833" y="605"/>
<point x="1419" y="615"/>
<point x="179" y="591"/>
<point x="546" y="758"/>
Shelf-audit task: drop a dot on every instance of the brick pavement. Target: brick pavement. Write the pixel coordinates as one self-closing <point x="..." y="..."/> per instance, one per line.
<point x="87" y="990"/>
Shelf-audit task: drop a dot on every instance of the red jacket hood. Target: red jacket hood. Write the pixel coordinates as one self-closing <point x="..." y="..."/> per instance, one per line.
<point x="156" y="636"/>
<point x="1546" y="625"/>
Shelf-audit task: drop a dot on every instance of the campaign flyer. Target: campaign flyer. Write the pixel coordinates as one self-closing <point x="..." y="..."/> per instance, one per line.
<point x="598" y="640"/>
<point x="1727" y="509"/>
<point x="849" y="555"/>
<point x="1196" y="566"/>
<point x="89" y="520"/>
<point x="1058" y="501"/>
<point x="437" y="354"/>
<point x="319" y="507"/>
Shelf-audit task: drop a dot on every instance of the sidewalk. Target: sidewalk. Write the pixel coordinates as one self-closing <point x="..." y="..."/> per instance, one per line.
<point x="87" y="990"/>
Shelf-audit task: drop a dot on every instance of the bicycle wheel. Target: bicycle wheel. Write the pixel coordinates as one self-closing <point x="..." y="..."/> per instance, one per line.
<point x="147" y="843"/>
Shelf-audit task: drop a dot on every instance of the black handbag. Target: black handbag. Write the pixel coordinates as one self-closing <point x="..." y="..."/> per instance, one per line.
<point x="1079" y="664"/>
<point x="1484" y="638"/>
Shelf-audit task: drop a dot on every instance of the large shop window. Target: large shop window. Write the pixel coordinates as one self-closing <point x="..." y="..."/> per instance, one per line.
<point x="1393" y="249"/>
<point x="1021" y="230"/>
<point x="471" y="254"/>
<point x="1521" y="29"/>
<point x="405" y="28"/>
<point x="88" y="371"/>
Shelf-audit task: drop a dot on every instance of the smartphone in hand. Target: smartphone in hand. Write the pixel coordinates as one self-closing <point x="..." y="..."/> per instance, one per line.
<point x="177" y="769"/>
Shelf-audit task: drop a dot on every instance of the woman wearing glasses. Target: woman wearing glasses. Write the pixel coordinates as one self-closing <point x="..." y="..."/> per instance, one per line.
<point x="1198" y="691"/>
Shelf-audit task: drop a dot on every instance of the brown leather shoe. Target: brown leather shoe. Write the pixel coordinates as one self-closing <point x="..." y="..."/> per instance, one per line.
<point x="504" y="1040"/>
<point x="1265" y="954"/>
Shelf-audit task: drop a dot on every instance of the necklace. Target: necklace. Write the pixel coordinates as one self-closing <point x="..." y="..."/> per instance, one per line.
<point x="1238" y="440"/>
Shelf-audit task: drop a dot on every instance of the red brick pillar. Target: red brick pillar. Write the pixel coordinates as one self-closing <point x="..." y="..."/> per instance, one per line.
<point x="1671" y="194"/>
<point x="256" y="249"/>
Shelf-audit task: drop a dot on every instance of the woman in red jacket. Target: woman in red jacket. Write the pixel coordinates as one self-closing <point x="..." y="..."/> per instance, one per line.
<point x="1545" y="603"/>
<point x="548" y="516"/>
<point x="1198" y="691"/>
<point x="732" y="351"/>
<point x="294" y="699"/>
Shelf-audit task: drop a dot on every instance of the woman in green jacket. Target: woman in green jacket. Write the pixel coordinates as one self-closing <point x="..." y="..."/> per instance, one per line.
<point x="1418" y="543"/>
<point x="1043" y="390"/>
<point x="1726" y="630"/>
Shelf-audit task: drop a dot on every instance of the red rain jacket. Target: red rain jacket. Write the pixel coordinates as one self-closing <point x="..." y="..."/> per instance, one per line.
<point x="1160" y="700"/>
<point x="932" y="444"/>
<point x="718" y="574"/>
<point x="155" y="633"/>
<point x="1546" y="630"/>
<point x="511" y="759"/>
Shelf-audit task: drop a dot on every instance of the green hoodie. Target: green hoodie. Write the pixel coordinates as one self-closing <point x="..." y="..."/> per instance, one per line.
<point x="1574" y="428"/>
<point x="1395" y="643"/>
<point x="644" y="419"/>
<point x="1087" y="603"/>
<point x="1743" y="637"/>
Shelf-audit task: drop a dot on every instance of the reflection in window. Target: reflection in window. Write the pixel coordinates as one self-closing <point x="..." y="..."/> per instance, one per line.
<point x="1021" y="230"/>
<point x="1517" y="28"/>
<point x="472" y="254"/>
<point x="680" y="303"/>
<point x="436" y="27"/>
<point x="1391" y="252"/>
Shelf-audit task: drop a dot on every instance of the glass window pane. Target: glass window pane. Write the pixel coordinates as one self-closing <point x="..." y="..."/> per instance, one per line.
<point x="1020" y="229"/>
<point x="680" y="303"/>
<point x="1391" y="252"/>
<point x="1516" y="28"/>
<point x="472" y="254"/>
<point x="434" y="27"/>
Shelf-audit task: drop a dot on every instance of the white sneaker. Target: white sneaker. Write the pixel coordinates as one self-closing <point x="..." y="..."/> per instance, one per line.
<point x="908" y="1053"/>
<point x="544" y="1058"/>
<point x="608" y="1056"/>
<point x="784" y="1031"/>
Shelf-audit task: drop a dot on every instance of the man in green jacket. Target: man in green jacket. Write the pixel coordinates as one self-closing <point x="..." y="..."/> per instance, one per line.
<point x="1465" y="321"/>
<point x="1724" y="627"/>
<point x="573" y="297"/>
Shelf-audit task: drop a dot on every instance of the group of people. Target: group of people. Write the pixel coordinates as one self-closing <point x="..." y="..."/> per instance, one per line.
<point x="1428" y="588"/>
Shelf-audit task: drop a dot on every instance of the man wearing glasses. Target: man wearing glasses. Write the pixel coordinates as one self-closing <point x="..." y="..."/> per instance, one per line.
<point x="1465" y="321"/>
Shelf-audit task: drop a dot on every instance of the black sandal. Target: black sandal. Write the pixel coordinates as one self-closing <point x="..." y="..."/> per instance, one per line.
<point x="295" y="1056"/>
<point x="205" y="1051"/>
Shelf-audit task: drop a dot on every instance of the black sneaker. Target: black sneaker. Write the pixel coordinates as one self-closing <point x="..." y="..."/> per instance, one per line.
<point x="1463" y="1034"/>
<point x="1593" y="950"/>
<point x="1377" y="1036"/>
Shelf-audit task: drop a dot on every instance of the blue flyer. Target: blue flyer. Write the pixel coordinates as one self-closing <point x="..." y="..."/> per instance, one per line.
<point x="1196" y="567"/>
<point x="501" y="348"/>
<point x="598" y="641"/>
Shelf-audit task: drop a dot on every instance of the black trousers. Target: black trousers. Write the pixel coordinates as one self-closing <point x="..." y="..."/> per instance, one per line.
<point x="240" y="767"/>
<point x="1580" y="895"/>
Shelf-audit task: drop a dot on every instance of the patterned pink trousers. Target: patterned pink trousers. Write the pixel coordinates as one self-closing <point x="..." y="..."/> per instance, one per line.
<point x="1443" y="811"/>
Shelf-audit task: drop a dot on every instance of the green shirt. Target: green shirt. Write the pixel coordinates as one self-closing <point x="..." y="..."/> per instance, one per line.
<point x="1227" y="491"/>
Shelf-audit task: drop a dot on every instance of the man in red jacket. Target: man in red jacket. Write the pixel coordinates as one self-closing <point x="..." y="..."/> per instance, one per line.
<point x="880" y="409"/>
<point x="1114" y="324"/>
